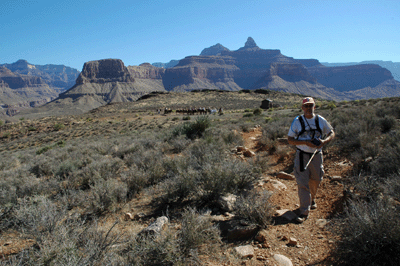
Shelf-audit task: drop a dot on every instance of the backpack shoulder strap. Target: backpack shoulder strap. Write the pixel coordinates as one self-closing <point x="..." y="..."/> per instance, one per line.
<point x="317" y="124"/>
<point x="303" y="126"/>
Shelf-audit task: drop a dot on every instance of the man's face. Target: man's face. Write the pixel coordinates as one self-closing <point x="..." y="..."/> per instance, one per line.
<point x="308" y="109"/>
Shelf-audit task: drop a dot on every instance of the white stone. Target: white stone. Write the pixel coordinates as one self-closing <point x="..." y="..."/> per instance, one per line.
<point x="283" y="175"/>
<point x="245" y="251"/>
<point x="278" y="185"/>
<point x="282" y="260"/>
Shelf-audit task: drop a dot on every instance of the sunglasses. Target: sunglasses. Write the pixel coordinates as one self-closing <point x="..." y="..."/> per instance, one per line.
<point x="308" y="105"/>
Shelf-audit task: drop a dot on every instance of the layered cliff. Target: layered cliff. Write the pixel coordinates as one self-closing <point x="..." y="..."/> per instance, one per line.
<point x="102" y="82"/>
<point x="202" y="72"/>
<point x="22" y="90"/>
<point x="57" y="77"/>
<point x="351" y="78"/>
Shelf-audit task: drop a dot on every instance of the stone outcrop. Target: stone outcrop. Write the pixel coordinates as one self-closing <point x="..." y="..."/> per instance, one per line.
<point x="105" y="81"/>
<point x="170" y="64"/>
<point x="57" y="77"/>
<point x="24" y="85"/>
<point x="202" y="72"/>
<point x="146" y="71"/>
<point x="294" y="78"/>
<point x="103" y="71"/>
<point x="214" y="50"/>
<point x="393" y="67"/>
<point x="250" y="45"/>
<point x="351" y="78"/>
<point x="251" y="67"/>
<point x="18" y="91"/>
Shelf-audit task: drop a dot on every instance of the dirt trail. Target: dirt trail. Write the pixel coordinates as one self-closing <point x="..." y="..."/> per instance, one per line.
<point x="314" y="241"/>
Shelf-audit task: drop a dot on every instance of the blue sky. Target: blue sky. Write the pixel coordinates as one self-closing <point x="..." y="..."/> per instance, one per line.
<point x="73" y="32"/>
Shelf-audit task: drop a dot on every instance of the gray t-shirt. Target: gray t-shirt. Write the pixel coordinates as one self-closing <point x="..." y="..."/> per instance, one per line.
<point x="295" y="129"/>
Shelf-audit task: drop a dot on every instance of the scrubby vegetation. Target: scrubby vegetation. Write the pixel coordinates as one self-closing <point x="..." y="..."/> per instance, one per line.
<point x="62" y="194"/>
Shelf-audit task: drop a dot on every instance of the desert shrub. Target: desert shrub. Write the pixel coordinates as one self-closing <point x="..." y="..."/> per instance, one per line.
<point x="268" y="119"/>
<point x="391" y="187"/>
<point x="107" y="166"/>
<point x="389" y="110"/>
<point x="246" y="125"/>
<point x="388" y="162"/>
<point x="206" y="180"/>
<point x="8" y="195"/>
<point x="203" y="152"/>
<point x="72" y="242"/>
<point x="43" y="150"/>
<point x="178" y="143"/>
<point x="44" y="166"/>
<point x="276" y="129"/>
<point x="387" y="123"/>
<point x="135" y="181"/>
<point x="260" y="162"/>
<point x="149" y="162"/>
<point x="255" y="207"/>
<point x="258" y="111"/>
<point x="104" y="194"/>
<point x="223" y="135"/>
<point x="370" y="234"/>
<point x="67" y="168"/>
<point x="233" y="137"/>
<point x="180" y="186"/>
<point x="58" y="126"/>
<point x="198" y="232"/>
<point x="38" y="216"/>
<point x="165" y="250"/>
<point x="128" y="148"/>
<point x="248" y="115"/>
<point x="194" y="129"/>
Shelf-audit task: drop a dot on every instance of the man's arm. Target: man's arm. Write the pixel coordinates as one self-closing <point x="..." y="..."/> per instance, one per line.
<point x="329" y="138"/>
<point x="293" y="141"/>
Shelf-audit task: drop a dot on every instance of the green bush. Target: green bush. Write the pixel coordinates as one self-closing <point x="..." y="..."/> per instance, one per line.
<point x="166" y="250"/>
<point x="370" y="234"/>
<point x="195" y="129"/>
<point x="248" y="115"/>
<point x="198" y="231"/>
<point x="258" y="111"/>
<point x="58" y="126"/>
<point x="256" y="208"/>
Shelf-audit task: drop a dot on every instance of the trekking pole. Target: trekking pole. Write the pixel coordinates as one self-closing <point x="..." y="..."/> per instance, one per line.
<point x="309" y="161"/>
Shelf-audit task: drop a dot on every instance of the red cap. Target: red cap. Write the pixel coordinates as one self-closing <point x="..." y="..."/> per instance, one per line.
<point x="308" y="100"/>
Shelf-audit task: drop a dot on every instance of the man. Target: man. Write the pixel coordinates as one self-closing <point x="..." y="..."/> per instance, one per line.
<point x="306" y="133"/>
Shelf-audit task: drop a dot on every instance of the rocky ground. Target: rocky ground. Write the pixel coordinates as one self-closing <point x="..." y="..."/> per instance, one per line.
<point x="303" y="244"/>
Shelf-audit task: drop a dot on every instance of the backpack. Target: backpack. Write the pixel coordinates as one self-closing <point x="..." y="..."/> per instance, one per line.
<point x="303" y="126"/>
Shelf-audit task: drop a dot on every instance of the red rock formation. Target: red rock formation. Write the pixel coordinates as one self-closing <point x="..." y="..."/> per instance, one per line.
<point x="201" y="72"/>
<point x="102" y="71"/>
<point x="351" y="78"/>
<point x="146" y="71"/>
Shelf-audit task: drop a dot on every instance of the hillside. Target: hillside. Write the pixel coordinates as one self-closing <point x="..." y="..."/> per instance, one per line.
<point x="27" y="85"/>
<point x="106" y="175"/>
<point x="393" y="67"/>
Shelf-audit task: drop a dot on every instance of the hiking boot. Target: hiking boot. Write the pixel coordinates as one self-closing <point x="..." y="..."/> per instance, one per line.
<point x="297" y="212"/>
<point x="313" y="205"/>
<point x="301" y="218"/>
